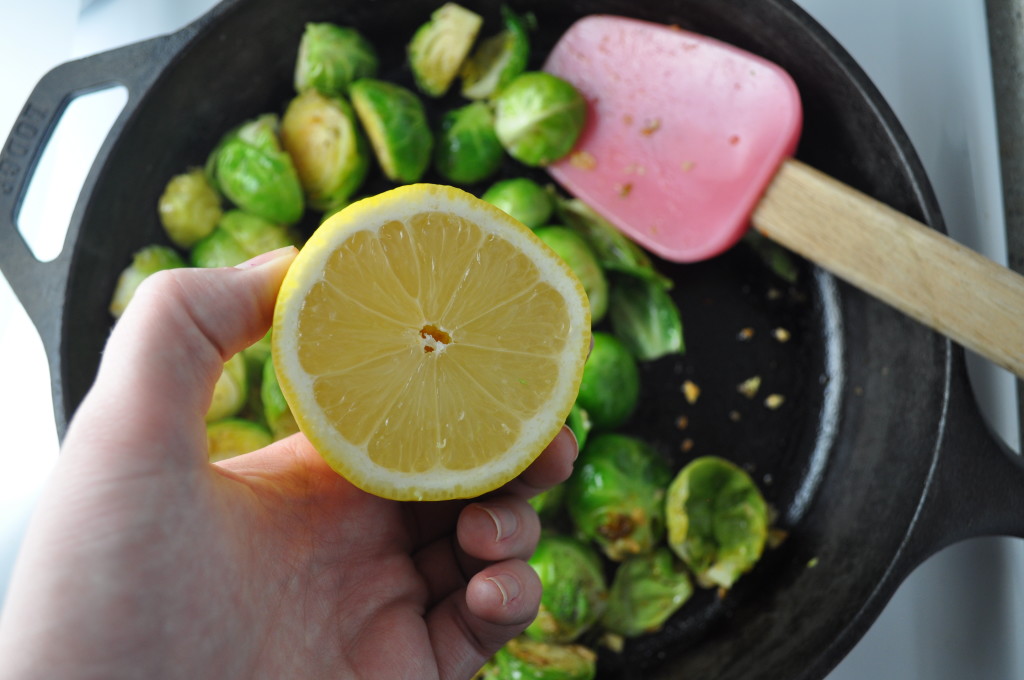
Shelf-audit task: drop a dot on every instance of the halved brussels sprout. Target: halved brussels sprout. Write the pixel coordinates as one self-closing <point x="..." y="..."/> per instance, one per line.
<point x="498" y="59"/>
<point x="523" y="199"/>
<point x="234" y="436"/>
<point x="333" y="57"/>
<point x="572" y="248"/>
<point x="717" y="520"/>
<point x="616" y="495"/>
<point x="252" y="170"/>
<point x="189" y="208"/>
<point x="646" y="591"/>
<point x="574" y="592"/>
<point x="145" y="261"/>
<point x="276" y="411"/>
<point x="231" y="391"/>
<point x="238" y="237"/>
<point x="610" y="387"/>
<point x="396" y="123"/>
<point x="526" y="659"/>
<point x="614" y="251"/>
<point x="439" y="47"/>
<point x="467" y="150"/>
<point x="645" y="317"/>
<point x="538" y="117"/>
<point x="330" y="155"/>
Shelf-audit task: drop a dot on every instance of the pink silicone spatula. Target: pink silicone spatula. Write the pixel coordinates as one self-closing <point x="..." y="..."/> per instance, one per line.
<point x="689" y="142"/>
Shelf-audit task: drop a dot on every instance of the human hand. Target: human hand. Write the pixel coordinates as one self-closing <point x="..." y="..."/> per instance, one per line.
<point x="145" y="561"/>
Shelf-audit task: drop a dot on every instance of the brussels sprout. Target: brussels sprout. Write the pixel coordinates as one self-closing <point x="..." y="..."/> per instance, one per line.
<point x="572" y="248"/>
<point x="780" y="261"/>
<point x="717" y="520"/>
<point x="252" y="170"/>
<point x="580" y="424"/>
<point x="324" y="141"/>
<point x="538" y="117"/>
<point x="239" y="237"/>
<point x="574" y="592"/>
<point x="145" y="261"/>
<point x="467" y="150"/>
<point x="233" y="437"/>
<point x="255" y="356"/>
<point x="526" y="659"/>
<point x="614" y="251"/>
<point x="645" y="317"/>
<point x="396" y="123"/>
<point x="610" y="387"/>
<point x="275" y="409"/>
<point x="498" y="59"/>
<point x="548" y="503"/>
<point x="331" y="58"/>
<point x="616" y="495"/>
<point x="439" y="47"/>
<point x="645" y="592"/>
<point x="231" y="390"/>
<point x="189" y="208"/>
<point x="523" y="199"/>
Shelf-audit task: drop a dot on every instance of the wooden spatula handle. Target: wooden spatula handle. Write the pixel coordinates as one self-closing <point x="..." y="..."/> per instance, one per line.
<point x="917" y="270"/>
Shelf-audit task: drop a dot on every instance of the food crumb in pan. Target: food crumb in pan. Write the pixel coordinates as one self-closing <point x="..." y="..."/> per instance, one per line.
<point x="735" y="416"/>
<point x="745" y="334"/>
<point x="767" y="479"/>
<point x="774" y="401"/>
<point x="687" y="445"/>
<point x="749" y="387"/>
<point x="691" y="392"/>
<point x="858" y="390"/>
<point x="584" y="160"/>
<point x="774" y="294"/>
<point x="682" y="422"/>
<point x="812" y="563"/>
<point x="781" y="334"/>
<point x="614" y="642"/>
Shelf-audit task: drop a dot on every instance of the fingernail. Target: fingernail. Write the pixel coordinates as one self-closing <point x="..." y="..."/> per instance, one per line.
<point x="505" y="521"/>
<point x="507" y="586"/>
<point x="266" y="257"/>
<point x="575" y="442"/>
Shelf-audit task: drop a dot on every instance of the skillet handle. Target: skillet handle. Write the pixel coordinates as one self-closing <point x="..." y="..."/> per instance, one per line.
<point x="38" y="285"/>
<point x="977" y="483"/>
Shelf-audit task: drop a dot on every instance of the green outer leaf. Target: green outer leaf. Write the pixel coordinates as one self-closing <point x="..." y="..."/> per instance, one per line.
<point x="613" y="249"/>
<point x="574" y="591"/>
<point x="610" y="387"/>
<point x="645" y="592"/>
<point x="523" y="199"/>
<point x="234" y="436"/>
<point x="145" y="262"/>
<point x="497" y="60"/>
<point x="645" y="317"/>
<point x="467" y="150"/>
<point x="395" y="121"/>
<point x="573" y="249"/>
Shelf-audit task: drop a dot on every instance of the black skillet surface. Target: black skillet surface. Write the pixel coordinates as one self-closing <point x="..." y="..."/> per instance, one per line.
<point x="876" y="458"/>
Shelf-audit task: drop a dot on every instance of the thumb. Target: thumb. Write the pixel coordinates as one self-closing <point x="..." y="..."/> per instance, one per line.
<point x="168" y="349"/>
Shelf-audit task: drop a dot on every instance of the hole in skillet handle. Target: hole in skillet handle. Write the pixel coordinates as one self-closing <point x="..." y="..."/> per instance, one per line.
<point x="683" y="133"/>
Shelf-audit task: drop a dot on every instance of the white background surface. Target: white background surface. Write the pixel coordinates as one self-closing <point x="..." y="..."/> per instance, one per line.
<point x="960" y="616"/>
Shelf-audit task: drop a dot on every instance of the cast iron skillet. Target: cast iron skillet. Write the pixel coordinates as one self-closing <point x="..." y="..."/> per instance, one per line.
<point x="877" y="458"/>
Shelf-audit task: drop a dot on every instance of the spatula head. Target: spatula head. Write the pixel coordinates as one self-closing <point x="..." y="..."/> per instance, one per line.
<point x="684" y="132"/>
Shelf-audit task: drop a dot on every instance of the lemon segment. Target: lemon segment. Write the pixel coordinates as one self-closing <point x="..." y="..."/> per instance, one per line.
<point x="429" y="345"/>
